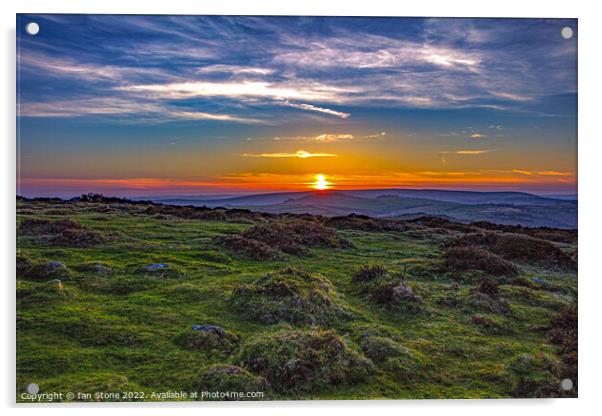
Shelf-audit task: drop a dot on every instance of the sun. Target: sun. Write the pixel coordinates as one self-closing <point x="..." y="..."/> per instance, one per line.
<point x="321" y="183"/>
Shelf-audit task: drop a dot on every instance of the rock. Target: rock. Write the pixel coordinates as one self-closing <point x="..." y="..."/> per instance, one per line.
<point x="102" y="269"/>
<point x="155" y="267"/>
<point x="210" y="328"/>
<point x="47" y="271"/>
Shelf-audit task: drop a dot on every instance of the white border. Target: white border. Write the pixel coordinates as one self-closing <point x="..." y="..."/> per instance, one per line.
<point x="590" y="183"/>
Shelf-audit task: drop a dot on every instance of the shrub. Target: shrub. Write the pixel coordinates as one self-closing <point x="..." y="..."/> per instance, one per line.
<point x="533" y="375"/>
<point x="369" y="272"/>
<point x="563" y="333"/>
<point x="216" y="342"/>
<point x="47" y="271"/>
<point x="289" y="295"/>
<point x="252" y="249"/>
<point x="517" y="247"/>
<point x="488" y="325"/>
<point x="460" y="259"/>
<point x="379" y="348"/>
<point x="24" y="263"/>
<point x="489" y="287"/>
<point x="293" y="236"/>
<point x="364" y="223"/>
<point x="222" y="378"/>
<point x="48" y="292"/>
<point x="397" y="295"/>
<point x="304" y="361"/>
<point x="387" y="289"/>
<point x="64" y="232"/>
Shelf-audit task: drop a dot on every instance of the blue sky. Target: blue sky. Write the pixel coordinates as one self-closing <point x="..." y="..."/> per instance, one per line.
<point x="198" y="104"/>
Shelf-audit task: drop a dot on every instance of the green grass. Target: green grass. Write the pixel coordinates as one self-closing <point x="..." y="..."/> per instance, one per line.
<point x="115" y="331"/>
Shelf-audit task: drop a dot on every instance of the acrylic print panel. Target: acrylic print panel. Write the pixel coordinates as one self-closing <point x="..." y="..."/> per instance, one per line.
<point x="275" y="208"/>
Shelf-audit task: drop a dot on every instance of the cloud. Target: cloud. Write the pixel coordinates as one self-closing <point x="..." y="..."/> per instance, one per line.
<point x="310" y="107"/>
<point x="477" y="136"/>
<point x="239" y="89"/>
<point x="325" y="137"/>
<point x="198" y="115"/>
<point x="467" y="152"/>
<point x="301" y="154"/>
<point x="541" y="173"/>
<point x="234" y="70"/>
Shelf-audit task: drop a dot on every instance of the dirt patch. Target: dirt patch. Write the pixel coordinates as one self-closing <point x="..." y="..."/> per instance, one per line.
<point x="225" y="378"/>
<point x="290" y="295"/>
<point x="304" y="361"/>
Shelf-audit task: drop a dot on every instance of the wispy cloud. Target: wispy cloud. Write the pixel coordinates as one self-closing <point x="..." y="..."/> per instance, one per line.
<point x="310" y="107"/>
<point x="467" y="152"/>
<point x="301" y="154"/>
<point x="541" y="173"/>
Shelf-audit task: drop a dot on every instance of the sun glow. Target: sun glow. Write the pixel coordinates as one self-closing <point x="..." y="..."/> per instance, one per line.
<point x="321" y="184"/>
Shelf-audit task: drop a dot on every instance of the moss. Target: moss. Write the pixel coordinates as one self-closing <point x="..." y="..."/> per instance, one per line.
<point x="97" y="387"/>
<point x="304" y="361"/>
<point x="290" y="295"/>
<point x="223" y="378"/>
<point x="47" y="292"/>
<point x="224" y="342"/>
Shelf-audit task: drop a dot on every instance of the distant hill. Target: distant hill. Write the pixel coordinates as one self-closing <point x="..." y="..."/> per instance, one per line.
<point x="513" y="208"/>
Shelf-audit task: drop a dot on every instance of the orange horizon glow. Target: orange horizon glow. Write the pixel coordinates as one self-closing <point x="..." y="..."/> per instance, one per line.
<point x="267" y="182"/>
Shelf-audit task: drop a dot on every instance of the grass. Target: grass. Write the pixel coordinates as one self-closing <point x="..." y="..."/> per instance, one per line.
<point x="104" y="321"/>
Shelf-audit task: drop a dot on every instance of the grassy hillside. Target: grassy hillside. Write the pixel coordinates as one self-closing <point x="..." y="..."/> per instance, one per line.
<point x="120" y="297"/>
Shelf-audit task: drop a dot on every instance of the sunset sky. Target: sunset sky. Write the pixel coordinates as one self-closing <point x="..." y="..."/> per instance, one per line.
<point x="167" y="105"/>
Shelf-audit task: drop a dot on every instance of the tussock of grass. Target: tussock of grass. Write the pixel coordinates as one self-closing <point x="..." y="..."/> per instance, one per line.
<point x="47" y="292"/>
<point x="534" y="375"/>
<point x="253" y="249"/>
<point x="517" y="247"/>
<point x="388" y="289"/>
<point x="228" y="378"/>
<point x="290" y="295"/>
<point x="459" y="259"/>
<point x="64" y="232"/>
<point x="304" y="361"/>
<point x="294" y="236"/>
<point x="47" y="271"/>
<point x="224" y="342"/>
<point x="364" y="223"/>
